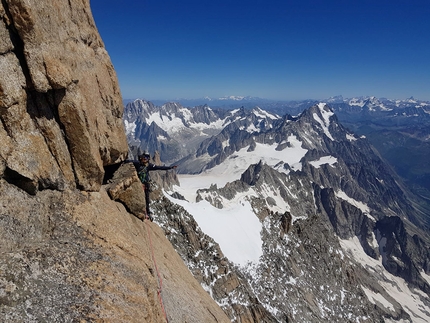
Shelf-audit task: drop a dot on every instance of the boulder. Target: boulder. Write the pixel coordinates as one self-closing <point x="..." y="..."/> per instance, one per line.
<point x="126" y="188"/>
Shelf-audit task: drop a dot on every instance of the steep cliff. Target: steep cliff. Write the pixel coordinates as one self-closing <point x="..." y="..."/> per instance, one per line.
<point x="68" y="251"/>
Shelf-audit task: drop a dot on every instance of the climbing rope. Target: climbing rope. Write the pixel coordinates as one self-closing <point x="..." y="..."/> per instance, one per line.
<point x="160" y="281"/>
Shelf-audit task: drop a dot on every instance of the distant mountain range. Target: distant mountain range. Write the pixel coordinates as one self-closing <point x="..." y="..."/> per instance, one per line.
<point x="291" y="217"/>
<point x="215" y="102"/>
<point x="251" y="101"/>
<point x="399" y="129"/>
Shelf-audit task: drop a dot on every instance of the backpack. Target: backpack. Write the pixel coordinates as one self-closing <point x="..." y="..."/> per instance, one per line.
<point x="143" y="174"/>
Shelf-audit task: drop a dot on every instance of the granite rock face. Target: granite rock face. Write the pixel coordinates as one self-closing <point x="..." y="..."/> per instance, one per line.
<point x="60" y="104"/>
<point x="76" y="256"/>
<point x="71" y="247"/>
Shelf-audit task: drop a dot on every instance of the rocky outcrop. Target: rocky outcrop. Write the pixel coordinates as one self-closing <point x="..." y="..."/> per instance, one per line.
<point x="69" y="251"/>
<point x="126" y="188"/>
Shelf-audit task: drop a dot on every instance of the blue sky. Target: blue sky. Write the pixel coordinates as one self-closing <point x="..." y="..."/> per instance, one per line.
<point x="277" y="49"/>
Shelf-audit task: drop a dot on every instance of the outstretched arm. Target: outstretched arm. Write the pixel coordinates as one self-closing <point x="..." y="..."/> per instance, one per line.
<point x="155" y="167"/>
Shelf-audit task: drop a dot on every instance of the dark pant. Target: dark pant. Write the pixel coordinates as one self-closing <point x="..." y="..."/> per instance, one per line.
<point x="146" y="190"/>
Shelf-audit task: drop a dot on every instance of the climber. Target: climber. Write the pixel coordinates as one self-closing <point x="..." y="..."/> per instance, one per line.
<point x="143" y="167"/>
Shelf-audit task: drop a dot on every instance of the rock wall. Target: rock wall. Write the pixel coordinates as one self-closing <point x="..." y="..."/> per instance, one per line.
<point x="60" y="104"/>
<point x="68" y="251"/>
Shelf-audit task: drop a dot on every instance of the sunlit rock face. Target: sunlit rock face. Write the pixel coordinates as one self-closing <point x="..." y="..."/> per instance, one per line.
<point x="68" y="251"/>
<point x="60" y="103"/>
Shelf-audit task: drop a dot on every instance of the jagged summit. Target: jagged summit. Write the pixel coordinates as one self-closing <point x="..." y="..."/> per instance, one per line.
<point x="263" y="135"/>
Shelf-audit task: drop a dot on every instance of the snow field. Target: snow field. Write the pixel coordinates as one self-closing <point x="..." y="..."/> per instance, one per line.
<point x="411" y="300"/>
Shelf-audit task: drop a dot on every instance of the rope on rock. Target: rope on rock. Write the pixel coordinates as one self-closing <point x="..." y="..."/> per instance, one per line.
<point x="159" y="279"/>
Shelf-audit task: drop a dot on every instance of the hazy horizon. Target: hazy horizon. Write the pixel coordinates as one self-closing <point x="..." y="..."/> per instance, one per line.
<point x="268" y="99"/>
